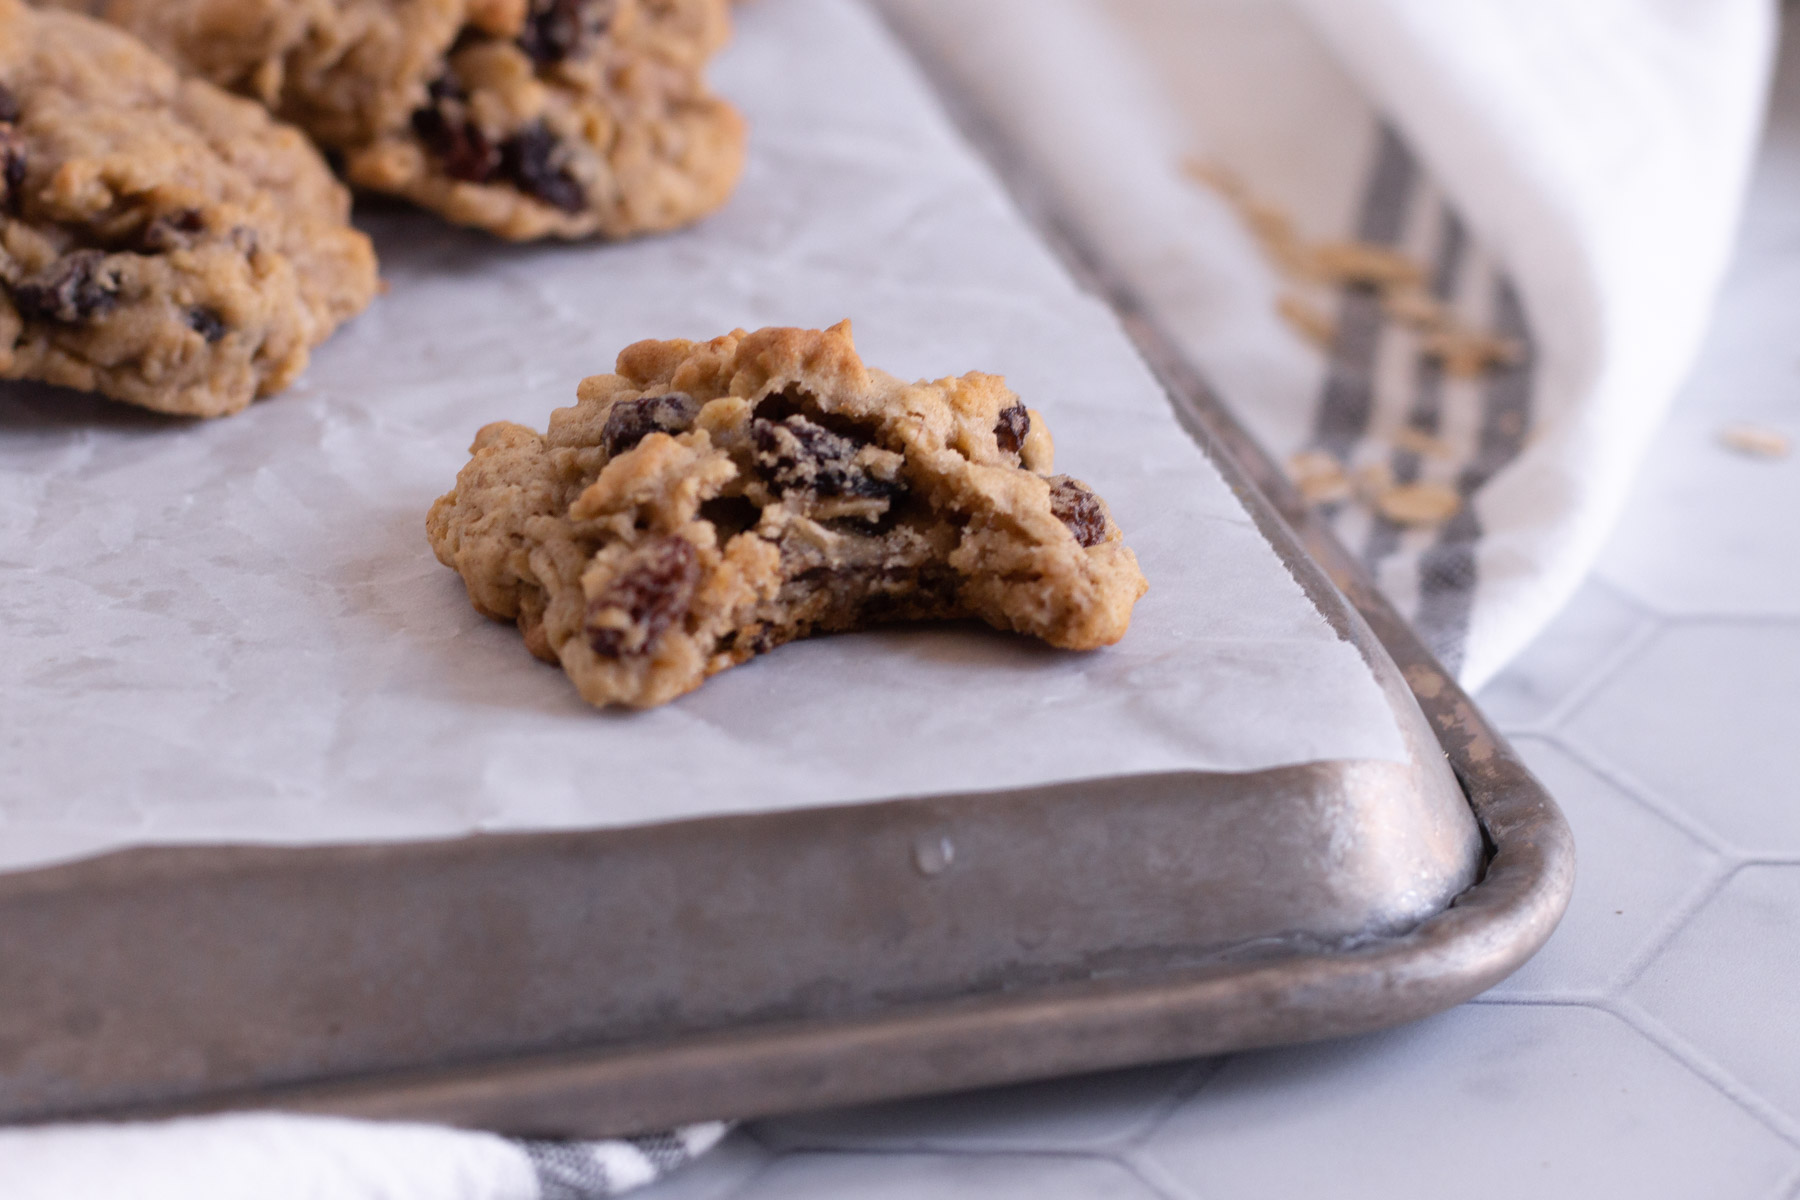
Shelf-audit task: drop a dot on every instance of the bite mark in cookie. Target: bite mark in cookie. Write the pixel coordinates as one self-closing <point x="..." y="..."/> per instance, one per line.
<point x="708" y="502"/>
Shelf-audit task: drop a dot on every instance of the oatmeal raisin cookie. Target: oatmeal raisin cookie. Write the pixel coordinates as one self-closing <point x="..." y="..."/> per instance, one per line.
<point x="712" y="500"/>
<point x="161" y="241"/>
<point x="527" y="118"/>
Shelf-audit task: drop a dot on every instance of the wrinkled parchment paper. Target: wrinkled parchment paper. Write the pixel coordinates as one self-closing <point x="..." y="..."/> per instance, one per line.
<point x="235" y="631"/>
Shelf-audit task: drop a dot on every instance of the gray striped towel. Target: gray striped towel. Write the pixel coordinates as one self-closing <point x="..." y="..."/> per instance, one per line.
<point x="1559" y="183"/>
<point x="1378" y="380"/>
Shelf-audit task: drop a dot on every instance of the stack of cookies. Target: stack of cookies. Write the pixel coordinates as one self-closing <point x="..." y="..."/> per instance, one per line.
<point x="527" y="118"/>
<point x="169" y="244"/>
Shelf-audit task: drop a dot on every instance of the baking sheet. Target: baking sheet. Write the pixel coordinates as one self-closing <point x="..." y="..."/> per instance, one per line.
<point x="235" y="631"/>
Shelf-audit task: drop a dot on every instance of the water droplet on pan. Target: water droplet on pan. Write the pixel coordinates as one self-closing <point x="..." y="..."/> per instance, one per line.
<point x="933" y="853"/>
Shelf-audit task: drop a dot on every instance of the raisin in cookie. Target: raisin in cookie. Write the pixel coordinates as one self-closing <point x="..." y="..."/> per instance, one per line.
<point x="713" y="500"/>
<point x="527" y="118"/>
<point x="160" y="241"/>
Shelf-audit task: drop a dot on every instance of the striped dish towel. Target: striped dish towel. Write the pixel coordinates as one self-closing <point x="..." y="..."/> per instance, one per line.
<point x="1448" y="258"/>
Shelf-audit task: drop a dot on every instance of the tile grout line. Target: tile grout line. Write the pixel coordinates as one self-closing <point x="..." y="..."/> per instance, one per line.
<point x="1149" y="1171"/>
<point x="1192" y="1082"/>
<point x="1641" y="794"/>
<point x="1696" y="1061"/>
<point x="1677" y="1048"/>
<point x="1608" y="668"/>
<point x="1641" y="603"/>
<point x="1702" y="895"/>
<point x="1637" y="604"/>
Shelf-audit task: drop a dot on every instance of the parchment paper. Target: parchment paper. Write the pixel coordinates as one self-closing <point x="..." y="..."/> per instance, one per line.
<point x="235" y="631"/>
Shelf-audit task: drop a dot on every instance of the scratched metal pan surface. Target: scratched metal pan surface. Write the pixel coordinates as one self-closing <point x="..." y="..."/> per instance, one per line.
<point x="581" y="984"/>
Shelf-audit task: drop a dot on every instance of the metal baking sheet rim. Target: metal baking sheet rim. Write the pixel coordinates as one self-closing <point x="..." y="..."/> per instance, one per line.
<point x="995" y="1034"/>
<point x="994" y="1039"/>
<point x="998" y="1035"/>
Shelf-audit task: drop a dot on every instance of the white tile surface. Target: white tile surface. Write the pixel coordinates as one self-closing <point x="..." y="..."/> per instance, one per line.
<point x="1572" y="654"/>
<point x="1721" y="506"/>
<point x="946" y="1177"/>
<point x="1729" y="984"/>
<point x="1636" y="874"/>
<point x="1704" y="718"/>
<point x="1484" y="1101"/>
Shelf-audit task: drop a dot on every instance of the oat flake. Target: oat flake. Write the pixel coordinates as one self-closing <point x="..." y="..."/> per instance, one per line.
<point x="1755" y="441"/>
<point x="1419" y="503"/>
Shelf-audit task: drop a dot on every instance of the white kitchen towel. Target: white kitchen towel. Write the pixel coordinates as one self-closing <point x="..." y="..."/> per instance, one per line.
<point x="1568" y="174"/>
<point x="267" y="1156"/>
